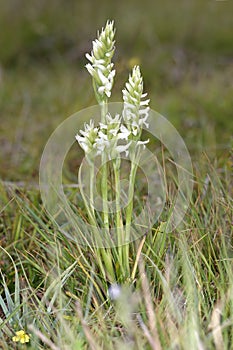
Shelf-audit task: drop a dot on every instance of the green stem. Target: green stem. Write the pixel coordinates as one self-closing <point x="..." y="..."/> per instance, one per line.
<point x="132" y="176"/>
<point x="119" y="223"/>
<point x="122" y="253"/>
<point x="104" y="181"/>
<point x="92" y="177"/>
<point x="89" y="211"/>
<point x="129" y="209"/>
<point x="129" y="212"/>
<point x="106" y="254"/>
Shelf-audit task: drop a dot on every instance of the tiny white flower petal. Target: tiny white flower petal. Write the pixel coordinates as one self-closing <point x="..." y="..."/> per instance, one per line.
<point x="99" y="61"/>
<point x="102" y="126"/>
<point x="108" y="93"/>
<point x="101" y="89"/>
<point x="84" y="133"/>
<point x="89" y="57"/>
<point x="123" y="148"/>
<point x="97" y="45"/>
<point x="124" y="129"/>
<point x="144" y="111"/>
<point x="112" y="74"/>
<point x="103" y="79"/>
<point x="124" y="134"/>
<point x="128" y="105"/>
<point x="128" y="86"/>
<point x="99" y="66"/>
<point x="90" y="68"/>
<point x="102" y="136"/>
<point x="78" y="137"/>
<point x="143" y="142"/>
<point x="144" y="103"/>
<point x="143" y="121"/>
<point x="113" y="120"/>
<point x="134" y="99"/>
<point x="114" y="132"/>
<point x="109" y="66"/>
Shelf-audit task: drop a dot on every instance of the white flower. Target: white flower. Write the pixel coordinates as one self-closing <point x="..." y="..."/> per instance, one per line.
<point x="123" y="148"/>
<point x="113" y="137"/>
<point x="124" y="133"/>
<point x="100" y="66"/>
<point x="142" y="143"/>
<point x="112" y="125"/>
<point x="107" y="83"/>
<point x="87" y="137"/>
<point x="107" y="135"/>
<point x="136" y="110"/>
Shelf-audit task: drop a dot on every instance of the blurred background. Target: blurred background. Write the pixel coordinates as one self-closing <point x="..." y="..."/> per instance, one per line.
<point x="184" y="48"/>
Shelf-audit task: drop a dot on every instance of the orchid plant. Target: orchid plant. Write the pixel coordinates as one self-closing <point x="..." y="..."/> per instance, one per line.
<point x="112" y="137"/>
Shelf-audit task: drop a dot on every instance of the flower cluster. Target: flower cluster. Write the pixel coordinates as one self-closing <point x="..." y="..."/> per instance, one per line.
<point x="21" y="337"/>
<point x="111" y="137"/>
<point x="118" y="134"/>
<point x="100" y="66"/>
<point x="88" y="136"/>
<point x="136" y="110"/>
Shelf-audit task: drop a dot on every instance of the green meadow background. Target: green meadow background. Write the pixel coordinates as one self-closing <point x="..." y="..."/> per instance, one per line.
<point x="179" y="292"/>
<point x="184" y="48"/>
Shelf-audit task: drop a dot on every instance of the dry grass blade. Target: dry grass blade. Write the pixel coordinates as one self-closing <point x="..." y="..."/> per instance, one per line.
<point x="43" y="338"/>
<point x="154" y="339"/>
<point x="89" y="336"/>
<point x="215" y="326"/>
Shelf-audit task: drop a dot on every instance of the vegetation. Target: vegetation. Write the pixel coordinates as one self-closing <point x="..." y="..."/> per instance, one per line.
<point x="54" y="292"/>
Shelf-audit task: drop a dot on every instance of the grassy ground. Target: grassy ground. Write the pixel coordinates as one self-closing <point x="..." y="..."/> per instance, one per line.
<point x="181" y="296"/>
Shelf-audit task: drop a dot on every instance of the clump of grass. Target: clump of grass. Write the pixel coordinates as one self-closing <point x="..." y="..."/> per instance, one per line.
<point x="182" y="291"/>
<point x="179" y="295"/>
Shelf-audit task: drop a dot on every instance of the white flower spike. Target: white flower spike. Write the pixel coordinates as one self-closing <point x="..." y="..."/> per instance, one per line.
<point x="136" y="110"/>
<point x="100" y="66"/>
